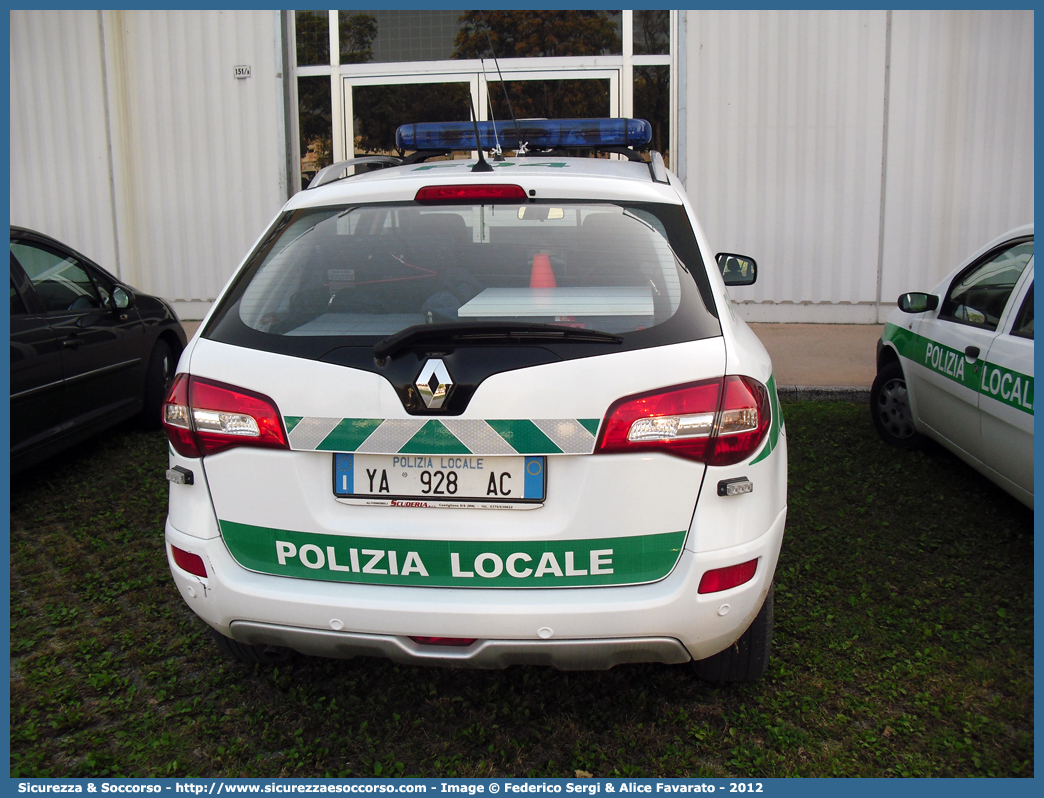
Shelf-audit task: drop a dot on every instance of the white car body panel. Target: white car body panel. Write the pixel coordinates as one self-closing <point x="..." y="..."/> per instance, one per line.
<point x="946" y="408"/>
<point x="1008" y="431"/>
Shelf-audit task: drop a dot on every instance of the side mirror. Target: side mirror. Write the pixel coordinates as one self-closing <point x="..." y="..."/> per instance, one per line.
<point x="121" y="300"/>
<point x="918" y="302"/>
<point x="737" y="269"/>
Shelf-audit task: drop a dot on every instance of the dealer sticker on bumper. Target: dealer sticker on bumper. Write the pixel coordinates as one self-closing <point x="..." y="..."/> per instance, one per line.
<point x="632" y="560"/>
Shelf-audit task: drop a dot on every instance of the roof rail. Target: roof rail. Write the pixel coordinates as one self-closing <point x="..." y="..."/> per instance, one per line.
<point x="656" y="166"/>
<point x="332" y="173"/>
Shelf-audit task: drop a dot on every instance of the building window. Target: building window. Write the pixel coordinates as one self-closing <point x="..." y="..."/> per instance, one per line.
<point x="313" y="37"/>
<point x="651" y="32"/>
<point x="380" y="109"/>
<point x="538" y="34"/>
<point x="315" y="123"/>
<point x="652" y="101"/>
<point x="411" y="35"/>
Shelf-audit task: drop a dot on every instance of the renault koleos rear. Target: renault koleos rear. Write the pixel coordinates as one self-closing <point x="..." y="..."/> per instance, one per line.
<point x="476" y="413"/>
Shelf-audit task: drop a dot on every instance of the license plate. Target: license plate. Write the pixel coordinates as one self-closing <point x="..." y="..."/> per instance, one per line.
<point x="440" y="481"/>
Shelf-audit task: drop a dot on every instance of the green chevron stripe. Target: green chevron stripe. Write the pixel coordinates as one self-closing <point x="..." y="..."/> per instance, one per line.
<point x="434" y="438"/>
<point x="524" y="436"/>
<point x="349" y="434"/>
<point x="776" y="424"/>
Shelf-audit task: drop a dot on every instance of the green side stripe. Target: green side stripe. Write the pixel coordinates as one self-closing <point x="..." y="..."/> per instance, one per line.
<point x="1008" y="387"/>
<point x="349" y="434"/>
<point x="905" y="341"/>
<point x="291" y="422"/>
<point x="524" y="436"/>
<point x="590" y="424"/>
<point x="988" y="379"/>
<point x="434" y="438"/>
<point x="440" y="563"/>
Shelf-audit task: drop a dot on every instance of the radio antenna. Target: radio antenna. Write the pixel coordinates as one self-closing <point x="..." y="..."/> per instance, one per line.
<point x="482" y="165"/>
<point x="498" y="153"/>
<point x="521" y="149"/>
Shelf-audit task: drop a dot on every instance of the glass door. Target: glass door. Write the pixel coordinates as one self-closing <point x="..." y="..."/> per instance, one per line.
<point x="553" y="94"/>
<point x="375" y="106"/>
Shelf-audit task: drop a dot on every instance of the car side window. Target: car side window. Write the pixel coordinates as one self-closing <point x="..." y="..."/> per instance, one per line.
<point x="60" y="281"/>
<point x="104" y="288"/>
<point x="1023" y="326"/>
<point x="17" y="305"/>
<point x="978" y="295"/>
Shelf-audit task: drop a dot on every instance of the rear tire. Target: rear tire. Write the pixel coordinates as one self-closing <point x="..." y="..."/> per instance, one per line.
<point x="158" y="380"/>
<point x="747" y="659"/>
<point x="890" y="407"/>
<point x="249" y="654"/>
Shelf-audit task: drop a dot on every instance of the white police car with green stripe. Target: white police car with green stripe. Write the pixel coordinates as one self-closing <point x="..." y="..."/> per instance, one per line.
<point x="483" y="412"/>
<point x="957" y="365"/>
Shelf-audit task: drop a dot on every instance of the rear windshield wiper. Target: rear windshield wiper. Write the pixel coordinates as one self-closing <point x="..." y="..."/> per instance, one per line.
<point x="468" y="331"/>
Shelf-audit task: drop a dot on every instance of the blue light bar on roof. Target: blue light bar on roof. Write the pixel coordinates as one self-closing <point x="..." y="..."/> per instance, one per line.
<point x="536" y="133"/>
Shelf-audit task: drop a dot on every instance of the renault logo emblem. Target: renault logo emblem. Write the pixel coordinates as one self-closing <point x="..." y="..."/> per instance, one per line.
<point x="433" y="384"/>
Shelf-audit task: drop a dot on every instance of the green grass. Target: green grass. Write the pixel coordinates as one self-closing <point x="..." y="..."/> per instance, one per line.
<point x="903" y="646"/>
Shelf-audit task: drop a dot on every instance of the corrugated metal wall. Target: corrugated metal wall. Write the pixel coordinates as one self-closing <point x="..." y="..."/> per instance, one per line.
<point x="59" y="146"/>
<point x="141" y="147"/>
<point x="785" y="148"/>
<point x="960" y="140"/>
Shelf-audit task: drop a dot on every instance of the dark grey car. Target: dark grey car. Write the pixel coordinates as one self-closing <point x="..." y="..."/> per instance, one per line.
<point x="87" y="350"/>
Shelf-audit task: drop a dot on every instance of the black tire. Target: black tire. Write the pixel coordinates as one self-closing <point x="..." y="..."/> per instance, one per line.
<point x="158" y="380"/>
<point x="248" y="654"/>
<point x="747" y="659"/>
<point x="890" y="407"/>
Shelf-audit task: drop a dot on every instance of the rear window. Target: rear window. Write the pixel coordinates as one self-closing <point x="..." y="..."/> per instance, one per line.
<point x="366" y="272"/>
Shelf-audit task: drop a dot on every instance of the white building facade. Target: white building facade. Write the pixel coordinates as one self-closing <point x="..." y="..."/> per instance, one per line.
<point x="855" y="154"/>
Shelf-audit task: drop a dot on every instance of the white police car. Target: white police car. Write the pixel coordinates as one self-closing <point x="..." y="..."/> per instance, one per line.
<point x="480" y="413"/>
<point x="957" y="365"/>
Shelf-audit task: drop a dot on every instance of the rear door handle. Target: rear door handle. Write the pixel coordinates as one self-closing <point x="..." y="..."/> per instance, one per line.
<point x="972" y="352"/>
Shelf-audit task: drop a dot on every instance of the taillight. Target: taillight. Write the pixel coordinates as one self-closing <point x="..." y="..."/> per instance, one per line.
<point x="745" y="416"/>
<point x="177" y="419"/>
<point x="699" y="421"/>
<point x="502" y="192"/>
<point x="731" y="576"/>
<point x="204" y="417"/>
<point x="187" y="561"/>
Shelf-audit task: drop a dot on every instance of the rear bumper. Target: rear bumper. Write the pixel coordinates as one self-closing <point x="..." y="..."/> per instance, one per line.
<point x="570" y="628"/>
<point x="569" y="655"/>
